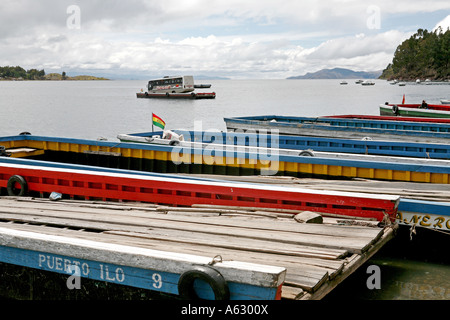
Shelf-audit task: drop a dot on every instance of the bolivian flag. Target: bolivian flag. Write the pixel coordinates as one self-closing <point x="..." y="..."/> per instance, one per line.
<point x="157" y="121"/>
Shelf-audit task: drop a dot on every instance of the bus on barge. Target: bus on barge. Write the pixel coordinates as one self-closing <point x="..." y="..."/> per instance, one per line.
<point x="174" y="87"/>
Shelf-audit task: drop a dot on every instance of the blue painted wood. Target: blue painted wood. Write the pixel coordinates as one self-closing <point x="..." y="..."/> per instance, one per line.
<point x="417" y="167"/>
<point x="349" y="125"/>
<point x="346" y="122"/>
<point x="123" y="275"/>
<point x="424" y="207"/>
<point x="391" y="148"/>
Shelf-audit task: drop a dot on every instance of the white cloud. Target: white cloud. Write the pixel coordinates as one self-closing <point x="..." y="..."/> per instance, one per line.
<point x="232" y="38"/>
<point x="444" y="24"/>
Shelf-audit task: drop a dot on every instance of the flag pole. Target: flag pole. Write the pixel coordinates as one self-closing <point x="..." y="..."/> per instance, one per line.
<point x="152" y="123"/>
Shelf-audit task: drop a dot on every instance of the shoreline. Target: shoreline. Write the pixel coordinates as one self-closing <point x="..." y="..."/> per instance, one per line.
<point x="71" y="79"/>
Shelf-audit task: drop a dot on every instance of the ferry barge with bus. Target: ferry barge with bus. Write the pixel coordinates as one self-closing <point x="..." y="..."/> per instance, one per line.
<point x="179" y="87"/>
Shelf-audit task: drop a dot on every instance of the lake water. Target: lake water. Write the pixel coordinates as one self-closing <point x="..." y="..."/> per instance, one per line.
<point x="410" y="269"/>
<point x="92" y="109"/>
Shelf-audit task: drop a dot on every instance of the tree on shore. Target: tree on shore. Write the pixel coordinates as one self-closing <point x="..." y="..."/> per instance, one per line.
<point x="424" y="55"/>
<point x="20" y="73"/>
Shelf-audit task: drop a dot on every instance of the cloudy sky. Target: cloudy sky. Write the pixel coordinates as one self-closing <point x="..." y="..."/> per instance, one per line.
<point x="223" y="38"/>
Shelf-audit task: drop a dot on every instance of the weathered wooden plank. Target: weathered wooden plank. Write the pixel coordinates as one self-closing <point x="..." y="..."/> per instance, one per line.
<point x="354" y="262"/>
<point x="329" y="230"/>
<point x="291" y="293"/>
<point x="179" y="236"/>
<point x="193" y="231"/>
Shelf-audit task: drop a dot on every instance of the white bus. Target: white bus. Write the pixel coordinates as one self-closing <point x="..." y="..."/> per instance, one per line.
<point x="171" y="85"/>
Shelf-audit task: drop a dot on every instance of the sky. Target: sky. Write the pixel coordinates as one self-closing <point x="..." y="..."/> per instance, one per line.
<point x="245" y="39"/>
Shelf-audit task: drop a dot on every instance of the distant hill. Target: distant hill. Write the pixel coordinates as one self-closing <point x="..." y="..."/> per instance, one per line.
<point x="339" y="73"/>
<point x="58" y="76"/>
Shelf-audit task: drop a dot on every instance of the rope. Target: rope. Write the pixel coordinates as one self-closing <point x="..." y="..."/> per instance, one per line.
<point x="215" y="260"/>
<point x="412" y="231"/>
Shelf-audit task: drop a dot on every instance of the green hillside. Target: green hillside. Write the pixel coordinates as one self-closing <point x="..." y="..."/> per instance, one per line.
<point x="425" y="55"/>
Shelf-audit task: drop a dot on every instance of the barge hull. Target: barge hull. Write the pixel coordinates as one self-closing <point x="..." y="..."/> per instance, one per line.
<point x="192" y="95"/>
<point x="110" y="184"/>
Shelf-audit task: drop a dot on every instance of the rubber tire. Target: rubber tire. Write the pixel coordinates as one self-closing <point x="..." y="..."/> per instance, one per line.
<point x="306" y="153"/>
<point x="23" y="186"/>
<point x="207" y="274"/>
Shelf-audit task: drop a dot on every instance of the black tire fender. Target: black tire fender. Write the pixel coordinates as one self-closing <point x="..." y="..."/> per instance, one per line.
<point x="306" y="153"/>
<point x="210" y="275"/>
<point x="12" y="190"/>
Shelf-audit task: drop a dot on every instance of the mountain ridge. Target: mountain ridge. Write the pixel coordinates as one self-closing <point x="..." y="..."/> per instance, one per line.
<point x="339" y="73"/>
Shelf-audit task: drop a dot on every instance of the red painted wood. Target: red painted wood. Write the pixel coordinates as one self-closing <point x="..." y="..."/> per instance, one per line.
<point x="183" y="192"/>
<point x="391" y="118"/>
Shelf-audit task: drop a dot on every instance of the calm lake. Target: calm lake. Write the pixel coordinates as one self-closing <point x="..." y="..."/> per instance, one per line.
<point x="416" y="268"/>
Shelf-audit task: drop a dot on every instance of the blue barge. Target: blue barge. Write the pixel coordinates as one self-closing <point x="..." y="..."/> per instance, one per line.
<point x="218" y="159"/>
<point x="344" y="128"/>
<point x="368" y="147"/>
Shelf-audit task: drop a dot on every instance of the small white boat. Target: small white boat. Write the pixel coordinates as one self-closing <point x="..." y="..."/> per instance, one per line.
<point x="169" y="138"/>
<point x="402" y="84"/>
<point x="367" y="83"/>
<point x="445" y="101"/>
<point x="344" y="82"/>
<point x="358" y="81"/>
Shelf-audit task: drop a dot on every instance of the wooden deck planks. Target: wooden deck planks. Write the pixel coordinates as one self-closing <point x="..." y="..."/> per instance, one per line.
<point x="313" y="254"/>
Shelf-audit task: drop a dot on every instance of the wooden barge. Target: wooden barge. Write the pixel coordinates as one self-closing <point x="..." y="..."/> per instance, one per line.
<point x="173" y="159"/>
<point x="23" y="176"/>
<point x="367" y="147"/>
<point x="134" y="266"/>
<point x="150" y="246"/>
<point x="422" y="132"/>
<point x="167" y="95"/>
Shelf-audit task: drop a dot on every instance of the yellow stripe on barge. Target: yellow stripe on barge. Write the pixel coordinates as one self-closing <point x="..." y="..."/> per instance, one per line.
<point x="169" y="159"/>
